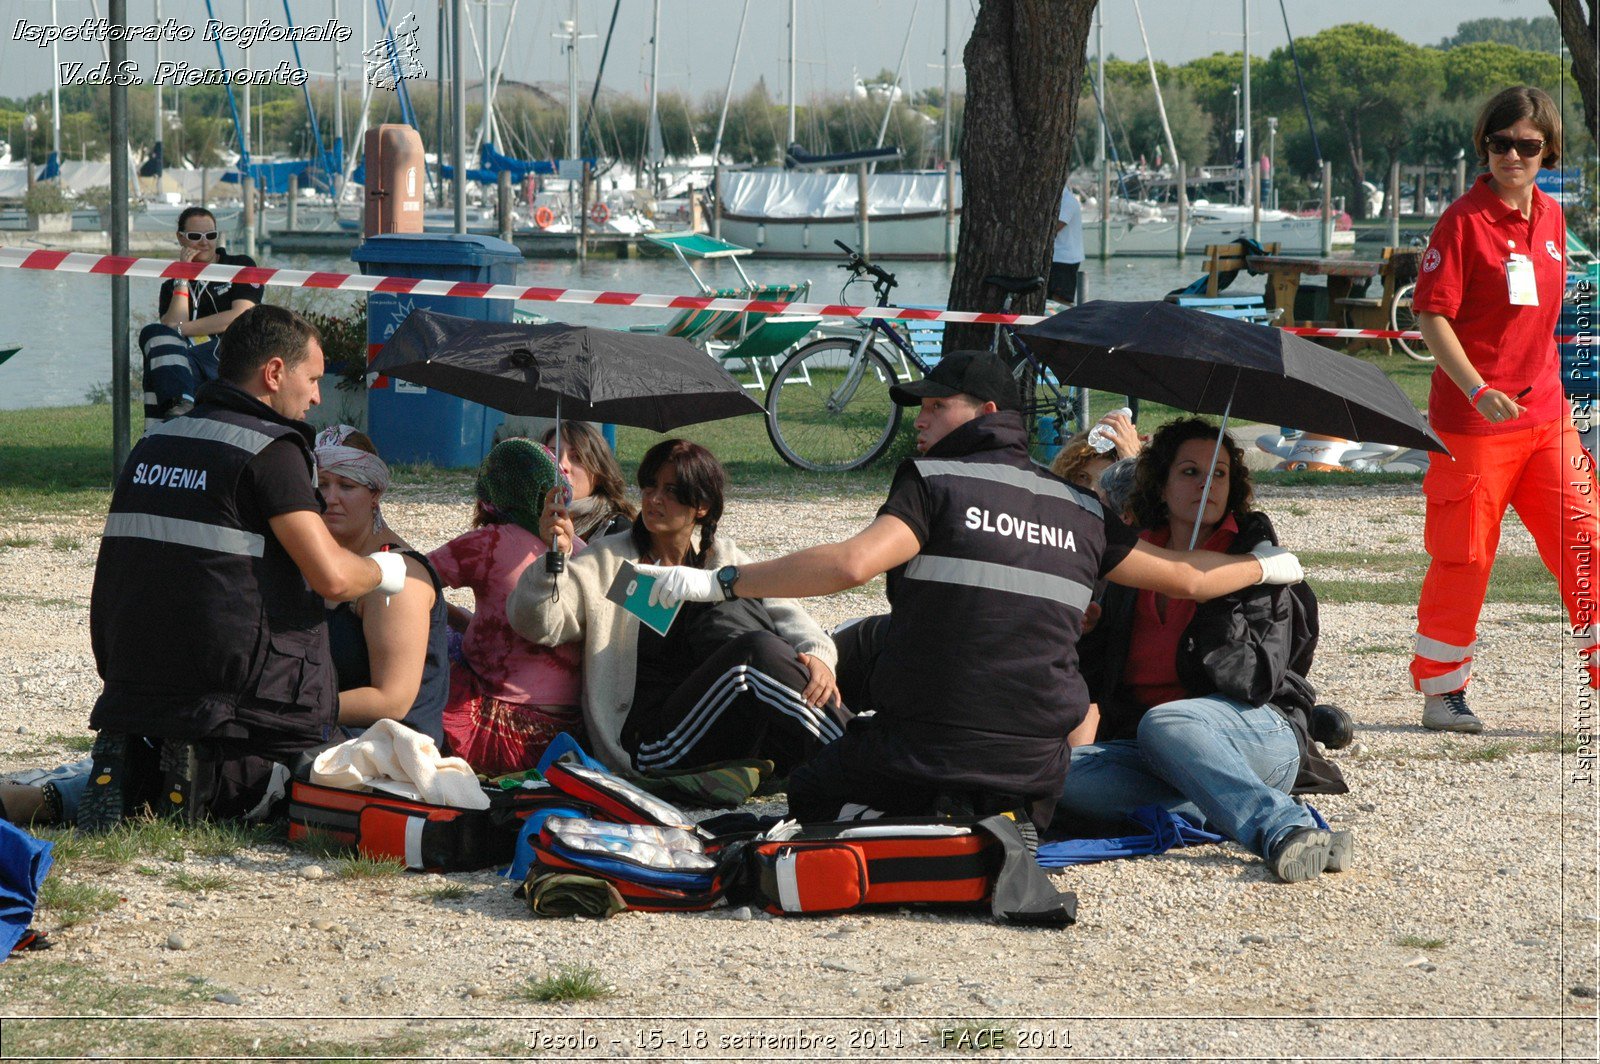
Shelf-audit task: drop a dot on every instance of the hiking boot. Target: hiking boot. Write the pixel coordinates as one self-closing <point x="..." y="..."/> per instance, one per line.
<point x="1341" y="851"/>
<point x="180" y="769"/>
<point x="1301" y="855"/>
<point x="102" y="805"/>
<point x="1331" y="726"/>
<point x="1450" y="713"/>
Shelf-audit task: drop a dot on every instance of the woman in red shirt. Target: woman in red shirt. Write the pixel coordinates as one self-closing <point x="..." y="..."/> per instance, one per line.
<point x="1488" y="299"/>
<point x="1204" y="706"/>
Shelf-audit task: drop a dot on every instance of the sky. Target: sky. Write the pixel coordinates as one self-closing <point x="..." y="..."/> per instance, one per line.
<point x="835" y="38"/>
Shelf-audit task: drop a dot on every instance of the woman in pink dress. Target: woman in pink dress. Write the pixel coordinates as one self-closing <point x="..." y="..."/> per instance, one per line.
<point x="508" y="697"/>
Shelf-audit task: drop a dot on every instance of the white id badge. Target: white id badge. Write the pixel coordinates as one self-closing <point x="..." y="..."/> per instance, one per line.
<point x="1520" y="282"/>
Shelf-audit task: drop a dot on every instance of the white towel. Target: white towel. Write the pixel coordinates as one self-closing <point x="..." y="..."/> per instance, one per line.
<point x="389" y="750"/>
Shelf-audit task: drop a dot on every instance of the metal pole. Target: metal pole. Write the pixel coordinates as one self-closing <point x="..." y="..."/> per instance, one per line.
<point x="657" y="148"/>
<point x="159" y="123"/>
<point x="55" y="90"/>
<point x="1249" y="143"/>
<point x="439" y="128"/>
<point x="1461" y="176"/>
<point x="293" y="221"/>
<point x="246" y="186"/>
<point x="727" y="92"/>
<point x="247" y="197"/>
<point x="944" y="140"/>
<point x="337" y="180"/>
<point x="791" y="75"/>
<point x="1100" y="131"/>
<point x="1393" y="203"/>
<point x="458" y="111"/>
<point x="503" y="204"/>
<point x="1255" y="204"/>
<point x="121" y="385"/>
<point x="716" y="201"/>
<point x="582" y="228"/>
<point x="1327" y="210"/>
<point x="1183" y="208"/>
<point x="574" y="149"/>
<point x="485" y="125"/>
<point x="861" y="211"/>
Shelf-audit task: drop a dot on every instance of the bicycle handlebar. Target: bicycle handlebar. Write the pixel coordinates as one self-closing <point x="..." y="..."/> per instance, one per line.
<point x="859" y="265"/>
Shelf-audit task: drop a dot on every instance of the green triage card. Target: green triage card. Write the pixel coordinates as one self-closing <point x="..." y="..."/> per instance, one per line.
<point x="631" y="591"/>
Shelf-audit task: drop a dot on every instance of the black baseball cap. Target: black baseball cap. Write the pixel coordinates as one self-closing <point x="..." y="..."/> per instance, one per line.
<point x="983" y="375"/>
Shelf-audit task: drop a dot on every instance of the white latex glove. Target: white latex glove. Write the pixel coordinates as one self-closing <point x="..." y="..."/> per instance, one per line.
<point x="680" y="583"/>
<point x="393" y="567"/>
<point x="1278" y="566"/>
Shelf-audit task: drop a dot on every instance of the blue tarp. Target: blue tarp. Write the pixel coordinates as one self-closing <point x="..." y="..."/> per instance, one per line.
<point x="273" y="178"/>
<point x="24" y="862"/>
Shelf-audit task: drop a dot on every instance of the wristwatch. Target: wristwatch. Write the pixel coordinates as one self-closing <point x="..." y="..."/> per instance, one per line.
<point x="727" y="576"/>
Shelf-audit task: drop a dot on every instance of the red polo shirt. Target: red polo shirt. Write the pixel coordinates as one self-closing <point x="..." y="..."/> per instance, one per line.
<point x="1151" y="672"/>
<point x="1463" y="278"/>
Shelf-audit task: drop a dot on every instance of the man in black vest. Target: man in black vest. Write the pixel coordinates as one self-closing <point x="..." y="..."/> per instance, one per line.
<point x="991" y="563"/>
<point x="207" y="610"/>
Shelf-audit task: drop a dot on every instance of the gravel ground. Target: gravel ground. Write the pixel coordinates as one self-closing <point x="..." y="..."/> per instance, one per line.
<point x="1467" y="928"/>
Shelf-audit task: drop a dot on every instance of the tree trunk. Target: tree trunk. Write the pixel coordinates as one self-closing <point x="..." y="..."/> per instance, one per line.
<point x="1581" y="34"/>
<point x="1024" y="64"/>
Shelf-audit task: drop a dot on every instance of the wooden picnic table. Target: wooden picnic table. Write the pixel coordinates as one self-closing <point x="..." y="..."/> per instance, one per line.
<point x="1285" y="271"/>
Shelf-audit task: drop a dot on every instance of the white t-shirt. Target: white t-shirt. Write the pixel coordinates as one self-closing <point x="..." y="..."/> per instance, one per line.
<point x="1069" y="241"/>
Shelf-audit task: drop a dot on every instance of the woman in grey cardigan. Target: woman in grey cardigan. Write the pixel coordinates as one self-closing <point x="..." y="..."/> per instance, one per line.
<point x="729" y="680"/>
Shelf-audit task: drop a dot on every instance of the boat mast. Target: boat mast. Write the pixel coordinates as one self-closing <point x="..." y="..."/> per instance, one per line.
<point x="160" y="162"/>
<point x="484" y="127"/>
<point x="791" y="76"/>
<point x="1249" y="147"/>
<point x="1100" y="131"/>
<point x="727" y="94"/>
<point x="1161" y="107"/>
<point x="338" y="111"/>
<point x="657" y="149"/>
<point x="573" y="150"/>
<point x="944" y="141"/>
<point x="55" y="94"/>
<point x="899" y="72"/>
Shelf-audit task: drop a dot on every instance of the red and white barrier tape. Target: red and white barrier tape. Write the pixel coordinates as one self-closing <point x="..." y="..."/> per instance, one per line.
<point x="117" y="265"/>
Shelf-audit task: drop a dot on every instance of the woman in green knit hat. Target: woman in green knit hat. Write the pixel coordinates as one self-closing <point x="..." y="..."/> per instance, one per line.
<point x="508" y="697"/>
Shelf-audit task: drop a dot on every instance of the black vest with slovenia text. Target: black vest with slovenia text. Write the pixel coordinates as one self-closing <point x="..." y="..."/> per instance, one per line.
<point x="978" y="683"/>
<point x="201" y="623"/>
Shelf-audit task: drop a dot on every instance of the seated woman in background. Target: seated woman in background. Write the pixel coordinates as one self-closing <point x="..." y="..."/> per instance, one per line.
<point x="388" y="650"/>
<point x="1204" y="708"/>
<point x="1080" y="462"/>
<point x="731" y="680"/>
<point x="600" y="504"/>
<point x="508" y="697"/>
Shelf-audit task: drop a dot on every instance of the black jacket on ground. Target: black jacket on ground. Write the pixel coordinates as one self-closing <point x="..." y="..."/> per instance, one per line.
<point x="1254" y="645"/>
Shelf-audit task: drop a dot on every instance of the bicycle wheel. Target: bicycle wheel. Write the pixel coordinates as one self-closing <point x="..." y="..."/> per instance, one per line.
<point x="828" y="411"/>
<point x="1403" y="319"/>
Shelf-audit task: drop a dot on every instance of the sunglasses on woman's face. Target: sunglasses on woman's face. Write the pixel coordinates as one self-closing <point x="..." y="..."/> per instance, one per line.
<point x="1528" y="149"/>
<point x="210" y="234"/>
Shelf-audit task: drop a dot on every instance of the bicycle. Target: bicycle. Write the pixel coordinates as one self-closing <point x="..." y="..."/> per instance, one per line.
<point x="1402" y="318"/>
<point x="829" y="408"/>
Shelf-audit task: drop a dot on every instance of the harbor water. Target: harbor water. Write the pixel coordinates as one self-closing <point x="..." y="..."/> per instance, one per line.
<point x="63" y="320"/>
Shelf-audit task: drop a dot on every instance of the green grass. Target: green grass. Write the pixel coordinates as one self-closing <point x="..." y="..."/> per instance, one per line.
<point x="18" y="542"/>
<point x="1419" y="942"/>
<point x="148" y="838"/>
<point x="199" y="882"/>
<point x="65" y="543"/>
<point x="568" y="983"/>
<point x="70" y="904"/>
<point x="1396" y="579"/>
<point x="361" y="866"/>
<point x="448" y="892"/>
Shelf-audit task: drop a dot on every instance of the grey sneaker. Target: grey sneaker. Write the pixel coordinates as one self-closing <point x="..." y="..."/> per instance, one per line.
<point x="1341" y="849"/>
<point x="1301" y="855"/>
<point x="1450" y="713"/>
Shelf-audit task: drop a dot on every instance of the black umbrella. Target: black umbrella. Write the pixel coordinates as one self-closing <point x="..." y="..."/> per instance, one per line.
<point x="557" y="370"/>
<point x="1214" y="365"/>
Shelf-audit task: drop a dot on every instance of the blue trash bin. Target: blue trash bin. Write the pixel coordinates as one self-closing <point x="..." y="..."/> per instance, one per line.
<point x="409" y="423"/>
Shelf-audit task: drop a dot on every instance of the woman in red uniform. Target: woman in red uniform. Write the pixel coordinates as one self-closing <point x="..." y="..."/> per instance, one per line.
<point x="1488" y="298"/>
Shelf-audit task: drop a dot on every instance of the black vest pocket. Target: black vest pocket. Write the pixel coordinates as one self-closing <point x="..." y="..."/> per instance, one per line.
<point x="291" y="666"/>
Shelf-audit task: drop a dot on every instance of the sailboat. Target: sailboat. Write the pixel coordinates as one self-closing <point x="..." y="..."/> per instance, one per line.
<point x="798" y="211"/>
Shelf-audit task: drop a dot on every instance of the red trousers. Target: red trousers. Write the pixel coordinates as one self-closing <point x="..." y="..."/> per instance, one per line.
<point x="1544" y="472"/>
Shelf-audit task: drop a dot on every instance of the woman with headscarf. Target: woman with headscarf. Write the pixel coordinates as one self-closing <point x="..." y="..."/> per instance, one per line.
<point x="389" y="650"/>
<point x="508" y="697"/>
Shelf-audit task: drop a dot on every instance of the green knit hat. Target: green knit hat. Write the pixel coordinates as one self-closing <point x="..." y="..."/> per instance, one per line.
<point x="514" y="480"/>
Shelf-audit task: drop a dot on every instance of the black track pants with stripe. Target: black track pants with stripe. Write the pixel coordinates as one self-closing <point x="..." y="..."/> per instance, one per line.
<point x="743" y="702"/>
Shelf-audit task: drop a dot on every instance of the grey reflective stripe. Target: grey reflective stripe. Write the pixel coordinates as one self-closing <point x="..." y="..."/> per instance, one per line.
<point x="200" y="428"/>
<point x="1012" y="476"/>
<point x="938" y="569"/>
<point x="186" y="533"/>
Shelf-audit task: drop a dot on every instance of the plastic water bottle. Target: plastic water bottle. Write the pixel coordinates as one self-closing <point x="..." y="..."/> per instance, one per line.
<point x="1101" y="438"/>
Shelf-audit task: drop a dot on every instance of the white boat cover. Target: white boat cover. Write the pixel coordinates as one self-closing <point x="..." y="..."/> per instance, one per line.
<point x="799" y="194"/>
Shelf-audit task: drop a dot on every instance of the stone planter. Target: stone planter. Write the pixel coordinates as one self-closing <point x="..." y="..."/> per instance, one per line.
<point x="52" y="223"/>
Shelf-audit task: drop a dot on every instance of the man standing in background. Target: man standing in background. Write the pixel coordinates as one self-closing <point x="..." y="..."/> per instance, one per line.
<point x="1067" y="255"/>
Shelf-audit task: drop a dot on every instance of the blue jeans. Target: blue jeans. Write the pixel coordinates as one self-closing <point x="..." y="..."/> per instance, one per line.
<point x="1222" y="764"/>
<point x="71" y="781"/>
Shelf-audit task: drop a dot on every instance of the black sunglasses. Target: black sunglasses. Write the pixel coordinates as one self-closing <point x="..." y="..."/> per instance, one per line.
<point x="1500" y="145"/>
<point x="210" y="234"/>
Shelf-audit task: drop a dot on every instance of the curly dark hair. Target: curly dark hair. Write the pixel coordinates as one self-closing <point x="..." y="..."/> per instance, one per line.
<point x="700" y="483"/>
<point x="1155" y="464"/>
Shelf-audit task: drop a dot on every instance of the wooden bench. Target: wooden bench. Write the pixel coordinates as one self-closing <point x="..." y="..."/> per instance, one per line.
<point x="1227" y="258"/>
<point x="1374" y="311"/>
<point x="1251" y="308"/>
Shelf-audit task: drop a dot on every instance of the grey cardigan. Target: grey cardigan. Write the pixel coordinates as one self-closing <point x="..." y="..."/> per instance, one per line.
<point x="610" y="634"/>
